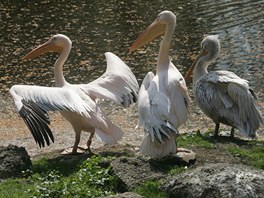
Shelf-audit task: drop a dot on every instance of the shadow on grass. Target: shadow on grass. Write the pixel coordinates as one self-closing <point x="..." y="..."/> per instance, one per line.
<point x="63" y="164"/>
<point x="223" y="139"/>
<point x="69" y="164"/>
<point x="250" y="152"/>
<point x="169" y="163"/>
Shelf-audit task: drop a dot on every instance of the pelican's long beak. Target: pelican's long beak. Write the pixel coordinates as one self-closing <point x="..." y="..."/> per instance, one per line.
<point x="49" y="46"/>
<point x="154" y="30"/>
<point x="190" y="71"/>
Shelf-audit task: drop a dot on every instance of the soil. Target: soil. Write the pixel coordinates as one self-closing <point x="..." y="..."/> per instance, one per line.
<point x="14" y="131"/>
<point x="127" y="156"/>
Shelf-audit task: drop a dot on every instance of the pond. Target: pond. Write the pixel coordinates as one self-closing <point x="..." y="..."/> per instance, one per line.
<point x="96" y="27"/>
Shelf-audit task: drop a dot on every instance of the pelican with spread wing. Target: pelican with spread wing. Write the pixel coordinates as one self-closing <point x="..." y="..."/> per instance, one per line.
<point x="76" y="102"/>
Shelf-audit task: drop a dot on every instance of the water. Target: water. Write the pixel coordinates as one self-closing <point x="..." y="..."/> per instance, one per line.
<point x="108" y="25"/>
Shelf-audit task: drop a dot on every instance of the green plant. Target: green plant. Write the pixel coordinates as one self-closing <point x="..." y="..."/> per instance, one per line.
<point x="252" y="153"/>
<point x="177" y="170"/>
<point x="91" y="180"/>
<point x="150" y="189"/>
<point x="14" y="188"/>
<point x="194" y="140"/>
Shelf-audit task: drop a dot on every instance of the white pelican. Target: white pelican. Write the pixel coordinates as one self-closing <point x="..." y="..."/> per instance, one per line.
<point x="222" y="95"/>
<point x="76" y="102"/>
<point x="163" y="101"/>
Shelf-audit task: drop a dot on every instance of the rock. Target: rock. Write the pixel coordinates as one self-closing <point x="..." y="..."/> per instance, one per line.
<point x="185" y="156"/>
<point x="125" y="195"/>
<point x="13" y="160"/>
<point x="134" y="171"/>
<point x="215" y="181"/>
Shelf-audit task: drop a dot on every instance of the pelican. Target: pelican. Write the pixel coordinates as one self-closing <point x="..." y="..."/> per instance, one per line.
<point x="222" y="95"/>
<point x="163" y="101"/>
<point x="76" y="102"/>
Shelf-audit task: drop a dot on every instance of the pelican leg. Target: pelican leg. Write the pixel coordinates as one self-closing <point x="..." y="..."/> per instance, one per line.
<point x="89" y="142"/>
<point x="77" y="141"/>
<point x="232" y="133"/>
<point x="217" y="125"/>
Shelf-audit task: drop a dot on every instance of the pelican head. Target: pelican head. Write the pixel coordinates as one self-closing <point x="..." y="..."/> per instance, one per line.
<point x="56" y="43"/>
<point x="157" y="28"/>
<point x="210" y="49"/>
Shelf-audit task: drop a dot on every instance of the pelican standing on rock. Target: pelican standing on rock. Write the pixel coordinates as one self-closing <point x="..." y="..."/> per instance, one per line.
<point x="163" y="101"/>
<point x="76" y="102"/>
<point x="222" y="95"/>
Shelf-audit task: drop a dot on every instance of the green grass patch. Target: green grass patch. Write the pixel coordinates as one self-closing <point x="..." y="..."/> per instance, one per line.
<point x="14" y="188"/>
<point x="195" y="139"/>
<point x="252" y="153"/>
<point x="150" y="189"/>
<point x="63" y="164"/>
<point x="177" y="170"/>
<point x="92" y="177"/>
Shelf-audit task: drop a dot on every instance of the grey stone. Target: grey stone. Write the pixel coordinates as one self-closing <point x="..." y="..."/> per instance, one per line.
<point x="215" y="181"/>
<point x="134" y="171"/>
<point x="125" y="195"/>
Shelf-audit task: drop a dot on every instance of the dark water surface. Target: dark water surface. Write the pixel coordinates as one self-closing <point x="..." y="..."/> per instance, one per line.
<point x="96" y="27"/>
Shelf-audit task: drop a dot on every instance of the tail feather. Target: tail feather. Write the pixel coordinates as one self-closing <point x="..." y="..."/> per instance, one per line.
<point x="113" y="135"/>
<point x="105" y="130"/>
<point x="157" y="150"/>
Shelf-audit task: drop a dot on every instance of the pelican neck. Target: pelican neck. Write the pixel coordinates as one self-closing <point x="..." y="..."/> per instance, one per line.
<point x="199" y="70"/>
<point x="58" y="67"/>
<point x="163" y="58"/>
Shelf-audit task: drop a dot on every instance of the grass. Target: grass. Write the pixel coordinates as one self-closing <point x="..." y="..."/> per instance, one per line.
<point x="90" y="178"/>
<point x="87" y="176"/>
<point x="150" y="189"/>
<point x="252" y="153"/>
<point x="195" y="140"/>
<point x="59" y="164"/>
<point x="177" y="170"/>
<point x="14" y="188"/>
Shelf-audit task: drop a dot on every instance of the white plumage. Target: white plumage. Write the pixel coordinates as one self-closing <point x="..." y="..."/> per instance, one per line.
<point x="163" y="102"/>
<point x="76" y="102"/>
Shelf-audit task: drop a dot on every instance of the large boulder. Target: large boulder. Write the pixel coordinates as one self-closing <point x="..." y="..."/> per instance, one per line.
<point x="13" y="160"/>
<point x="215" y="181"/>
<point x="133" y="171"/>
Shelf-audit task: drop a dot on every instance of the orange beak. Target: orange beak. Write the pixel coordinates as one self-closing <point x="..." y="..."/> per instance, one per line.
<point x="153" y="31"/>
<point x="49" y="46"/>
<point x="190" y="71"/>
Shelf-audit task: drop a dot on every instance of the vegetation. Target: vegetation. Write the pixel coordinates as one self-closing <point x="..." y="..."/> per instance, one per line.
<point x="189" y="140"/>
<point x="90" y="180"/>
<point x="252" y="153"/>
<point x="151" y="189"/>
<point x="92" y="176"/>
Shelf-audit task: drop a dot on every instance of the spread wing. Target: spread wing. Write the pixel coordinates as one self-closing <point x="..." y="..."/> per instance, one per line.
<point x="118" y="83"/>
<point x="33" y="102"/>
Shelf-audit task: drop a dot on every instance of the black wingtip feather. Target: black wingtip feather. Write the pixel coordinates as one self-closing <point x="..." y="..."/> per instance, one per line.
<point x="135" y="96"/>
<point x="252" y="93"/>
<point x="37" y="120"/>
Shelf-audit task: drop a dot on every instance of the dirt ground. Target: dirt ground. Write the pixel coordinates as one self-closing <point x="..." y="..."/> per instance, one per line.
<point x="14" y="131"/>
